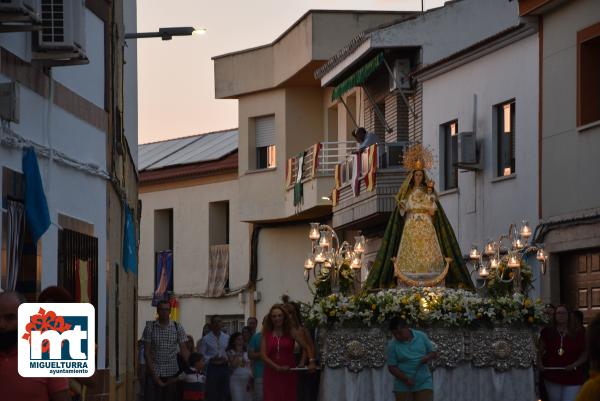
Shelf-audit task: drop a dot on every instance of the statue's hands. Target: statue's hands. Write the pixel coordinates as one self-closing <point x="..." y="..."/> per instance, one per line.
<point x="430" y="185"/>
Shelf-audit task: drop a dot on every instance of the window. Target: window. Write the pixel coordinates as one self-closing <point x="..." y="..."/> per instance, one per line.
<point x="218" y="258"/>
<point x="264" y="129"/>
<point x="163" y="252"/>
<point x="505" y="138"/>
<point x="588" y="75"/>
<point x="450" y="152"/>
<point x="78" y="264"/>
<point x="21" y="259"/>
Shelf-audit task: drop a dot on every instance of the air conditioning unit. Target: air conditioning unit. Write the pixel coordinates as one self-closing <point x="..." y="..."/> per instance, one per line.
<point x="401" y="71"/>
<point x="465" y="151"/>
<point x="63" y="27"/>
<point x="20" y="11"/>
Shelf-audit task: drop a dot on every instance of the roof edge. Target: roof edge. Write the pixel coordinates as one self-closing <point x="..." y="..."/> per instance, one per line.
<point x="463" y="56"/>
<point x="189" y="136"/>
<point x="298" y="21"/>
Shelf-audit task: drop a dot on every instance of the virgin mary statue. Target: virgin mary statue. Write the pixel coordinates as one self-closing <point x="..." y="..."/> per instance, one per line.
<point x="418" y="239"/>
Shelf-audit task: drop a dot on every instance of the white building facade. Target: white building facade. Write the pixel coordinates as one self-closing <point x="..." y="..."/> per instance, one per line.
<point x="72" y="110"/>
<point x="489" y="89"/>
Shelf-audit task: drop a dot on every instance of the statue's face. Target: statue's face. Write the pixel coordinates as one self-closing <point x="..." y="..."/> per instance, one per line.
<point x="418" y="177"/>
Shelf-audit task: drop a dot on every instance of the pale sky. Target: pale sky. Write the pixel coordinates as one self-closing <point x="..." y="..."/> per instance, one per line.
<point x="175" y="78"/>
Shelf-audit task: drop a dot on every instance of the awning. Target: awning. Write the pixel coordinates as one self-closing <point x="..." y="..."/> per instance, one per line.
<point x="358" y="77"/>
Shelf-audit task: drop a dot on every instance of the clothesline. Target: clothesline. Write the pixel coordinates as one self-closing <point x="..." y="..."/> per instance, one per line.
<point x="13" y="140"/>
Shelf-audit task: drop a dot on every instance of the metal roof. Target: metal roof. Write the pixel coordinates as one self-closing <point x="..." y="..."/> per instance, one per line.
<point x="192" y="149"/>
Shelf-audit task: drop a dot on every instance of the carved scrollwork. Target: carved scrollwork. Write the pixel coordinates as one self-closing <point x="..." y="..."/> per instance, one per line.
<point x="502" y="348"/>
<point x="354" y="349"/>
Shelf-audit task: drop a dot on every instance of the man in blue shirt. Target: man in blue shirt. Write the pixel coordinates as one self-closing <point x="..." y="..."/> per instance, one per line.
<point x="364" y="138"/>
<point x="408" y="354"/>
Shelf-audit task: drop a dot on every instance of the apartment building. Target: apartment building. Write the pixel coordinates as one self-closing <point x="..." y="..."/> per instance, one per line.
<point x="287" y="148"/>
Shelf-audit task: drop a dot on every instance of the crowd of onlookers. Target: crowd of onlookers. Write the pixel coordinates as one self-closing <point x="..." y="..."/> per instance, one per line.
<point x="275" y="363"/>
<point x="278" y="361"/>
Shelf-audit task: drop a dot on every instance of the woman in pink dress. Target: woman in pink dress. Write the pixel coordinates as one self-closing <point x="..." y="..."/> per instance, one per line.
<point x="277" y="351"/>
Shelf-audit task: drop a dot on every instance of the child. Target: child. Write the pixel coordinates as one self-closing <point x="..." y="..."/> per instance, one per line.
<point x="192" y="379"/>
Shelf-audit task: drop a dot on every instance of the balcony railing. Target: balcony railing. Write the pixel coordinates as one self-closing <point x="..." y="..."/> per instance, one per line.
<point x="329" y="155"/>
<point x="389" y="156"/>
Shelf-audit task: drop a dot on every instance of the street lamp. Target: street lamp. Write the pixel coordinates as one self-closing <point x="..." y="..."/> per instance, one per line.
<point x="167" y="33"/>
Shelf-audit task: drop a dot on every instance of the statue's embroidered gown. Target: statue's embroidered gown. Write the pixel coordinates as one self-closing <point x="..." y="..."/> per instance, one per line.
<point x="419" y="251"/>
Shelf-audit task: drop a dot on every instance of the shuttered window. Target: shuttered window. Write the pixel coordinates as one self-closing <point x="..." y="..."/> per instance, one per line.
<point x="264" y="128"/>
<point x="265" y="131"/>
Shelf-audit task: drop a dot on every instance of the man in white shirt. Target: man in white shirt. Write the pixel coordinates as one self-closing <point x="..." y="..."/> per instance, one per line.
<point x="213" y="347"/>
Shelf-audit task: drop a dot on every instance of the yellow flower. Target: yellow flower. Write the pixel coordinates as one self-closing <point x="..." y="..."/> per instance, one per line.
<point x="527" y="303"/>
<point x="404" y="300"/>
<point x="373" y="306"/>
<point x="530" y="319"/>
<point x="479" y="315"/>
<point x="332" y="313"/>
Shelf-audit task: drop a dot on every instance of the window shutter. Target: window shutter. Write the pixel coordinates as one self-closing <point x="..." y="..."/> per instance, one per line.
<point x="265" y="131"/>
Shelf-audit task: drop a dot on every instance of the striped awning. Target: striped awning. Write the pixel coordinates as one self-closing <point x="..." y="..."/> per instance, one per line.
<point x="358" y="77"/>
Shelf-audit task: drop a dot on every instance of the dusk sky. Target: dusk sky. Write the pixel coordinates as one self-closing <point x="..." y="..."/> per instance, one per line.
<point x="175" y="78"/>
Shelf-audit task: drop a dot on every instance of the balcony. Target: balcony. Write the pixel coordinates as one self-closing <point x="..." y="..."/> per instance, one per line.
<point x="369" y="209"/>
<point x="307" y="195"/>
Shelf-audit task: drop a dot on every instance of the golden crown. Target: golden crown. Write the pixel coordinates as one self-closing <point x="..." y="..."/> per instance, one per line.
<point x="418" y="157"/>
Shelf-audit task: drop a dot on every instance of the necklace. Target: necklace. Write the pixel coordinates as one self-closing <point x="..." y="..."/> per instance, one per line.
<point x="561" y="349"/>
<point x="278" y="338"/>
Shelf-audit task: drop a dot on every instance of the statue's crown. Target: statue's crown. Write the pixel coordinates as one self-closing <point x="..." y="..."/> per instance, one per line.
<point x="417" y="157"/>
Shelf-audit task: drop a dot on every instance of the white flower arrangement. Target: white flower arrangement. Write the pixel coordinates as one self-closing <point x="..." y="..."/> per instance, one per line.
<point x="425" y="307"/>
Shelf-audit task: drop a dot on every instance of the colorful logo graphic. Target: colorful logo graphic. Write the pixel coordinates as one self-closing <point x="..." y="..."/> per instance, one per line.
<point x="56" y="340"/>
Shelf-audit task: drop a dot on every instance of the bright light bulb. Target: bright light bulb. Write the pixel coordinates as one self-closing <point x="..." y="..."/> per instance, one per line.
<point x="200" y="31"/>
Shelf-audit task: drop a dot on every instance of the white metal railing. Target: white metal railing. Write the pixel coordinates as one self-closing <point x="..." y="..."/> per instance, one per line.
<point x="329" y="155"/>
<point x="389" y="156"/>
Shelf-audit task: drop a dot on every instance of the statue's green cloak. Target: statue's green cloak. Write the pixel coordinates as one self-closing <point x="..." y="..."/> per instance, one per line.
<point x="381" y="274"/>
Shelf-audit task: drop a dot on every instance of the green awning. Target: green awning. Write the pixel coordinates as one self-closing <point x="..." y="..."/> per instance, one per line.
<point x="358" y="77"/>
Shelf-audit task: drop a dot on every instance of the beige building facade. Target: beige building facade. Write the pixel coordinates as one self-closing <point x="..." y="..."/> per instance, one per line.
<point x="284" y="113"/>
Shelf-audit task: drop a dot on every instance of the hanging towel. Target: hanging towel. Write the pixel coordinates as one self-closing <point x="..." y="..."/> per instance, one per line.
<point x="83" y="284"/>
<point x="36" y="205"/>
<point x="298" y="186"/>
<point x="371" y="176"/>
<point x="129" y="242"/>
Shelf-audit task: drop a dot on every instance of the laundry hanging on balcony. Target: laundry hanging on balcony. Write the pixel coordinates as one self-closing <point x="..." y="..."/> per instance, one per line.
<point x="356" y="170"/>
<point x="36" y="205"/>
<point x="358" y="77"/>
<point x="164" y="276"/>
<point x="370" y="177"/>
<point x="83" y="284"/>
<point x="316" y="148"/>
<point x="337" y="175"/>
<point x="14" y="241"/>
<point x="289" y="172"/>
<point x="218" y="270"/>
<point x="298" y="187"/>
